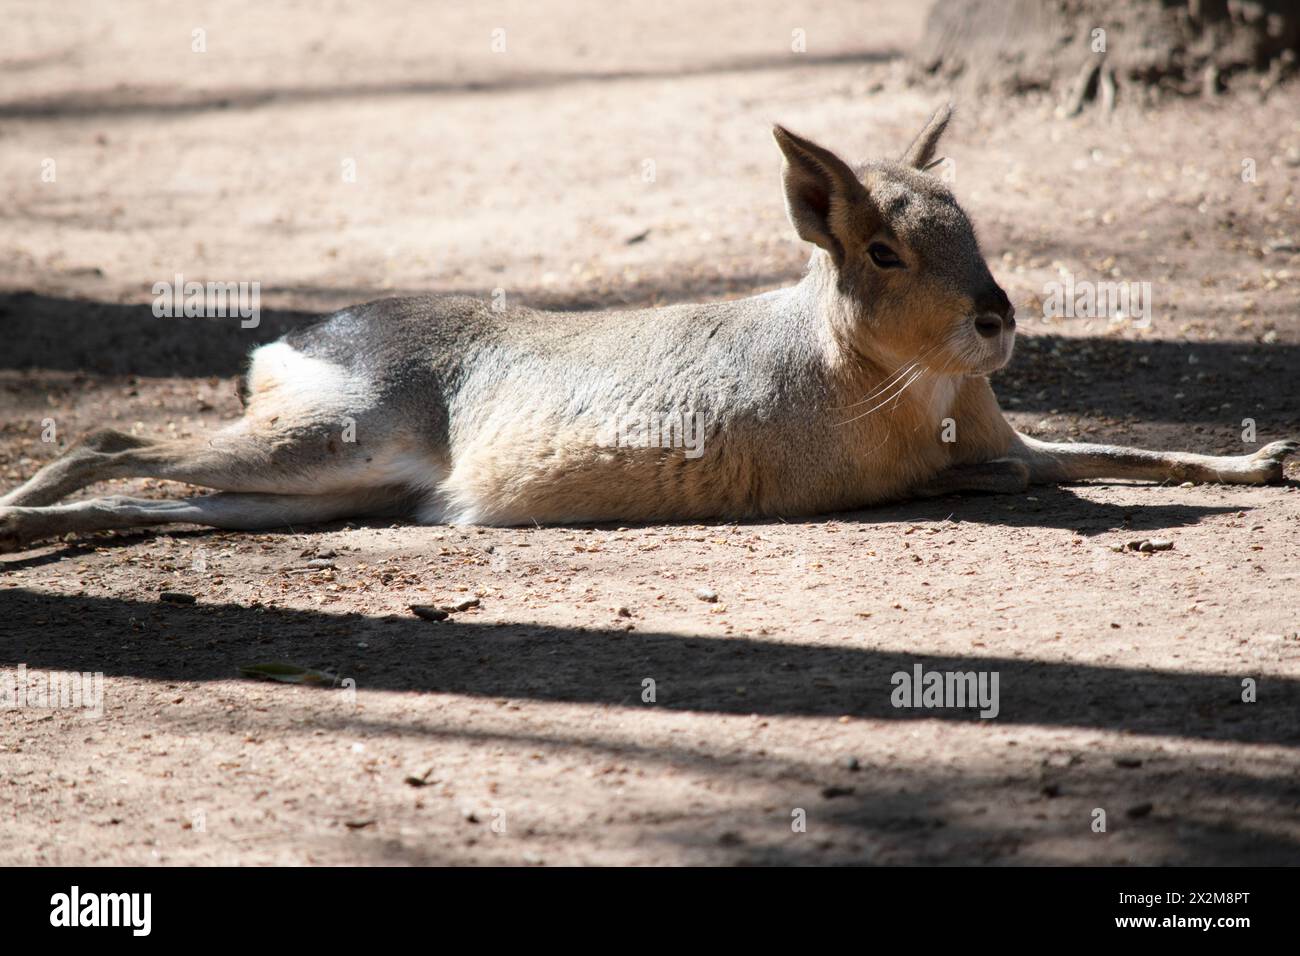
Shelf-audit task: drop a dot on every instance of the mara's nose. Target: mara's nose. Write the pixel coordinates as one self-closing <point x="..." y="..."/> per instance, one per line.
<point x="994" y="313"/>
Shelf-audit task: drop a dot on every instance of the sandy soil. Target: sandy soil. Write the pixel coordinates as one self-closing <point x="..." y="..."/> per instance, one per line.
<point x="517" y="732"/>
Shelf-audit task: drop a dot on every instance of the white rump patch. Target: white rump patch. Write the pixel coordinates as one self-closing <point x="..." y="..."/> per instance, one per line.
<point x="284" y="381"/>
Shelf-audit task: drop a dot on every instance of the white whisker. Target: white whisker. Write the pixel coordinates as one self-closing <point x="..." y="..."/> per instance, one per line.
<point x="892" y="380"/>
<point x="883" y="387"/>
<point x="899" y="393"/>
<point x="915" y="375"/>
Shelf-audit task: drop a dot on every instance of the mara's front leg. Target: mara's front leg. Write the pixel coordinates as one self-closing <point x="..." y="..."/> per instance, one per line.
<point x="1002" y="476"/>
<point x="1051" y="462"/>
<point x="988" y="455"/>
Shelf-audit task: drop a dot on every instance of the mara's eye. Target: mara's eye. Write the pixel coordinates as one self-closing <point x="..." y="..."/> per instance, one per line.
<point x="883" y="256"/>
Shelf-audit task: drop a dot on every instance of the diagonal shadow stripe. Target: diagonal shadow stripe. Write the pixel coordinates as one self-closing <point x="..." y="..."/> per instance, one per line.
<point x="732" y="675"/>
<point x="168" y="101"/>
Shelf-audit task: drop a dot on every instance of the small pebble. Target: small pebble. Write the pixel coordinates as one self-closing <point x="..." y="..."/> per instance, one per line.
<point x="464" y="605"/>
<point x="707" y="594"/>
<point x="1062" y="760"/>
<point x="1147" y="545"/>
<point x="429" y="613"/>
<point x="320" y="564"/>
<point x="1157" y="544"/>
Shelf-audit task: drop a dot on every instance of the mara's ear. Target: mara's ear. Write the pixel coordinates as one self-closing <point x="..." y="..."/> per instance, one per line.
<point x="820" y="191"/>
<point x="920" y="155"/>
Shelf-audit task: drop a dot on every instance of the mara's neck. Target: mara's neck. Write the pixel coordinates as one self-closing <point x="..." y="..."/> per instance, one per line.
<point x="854" y="368"/>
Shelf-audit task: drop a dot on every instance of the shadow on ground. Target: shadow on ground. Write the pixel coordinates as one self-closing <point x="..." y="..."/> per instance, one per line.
<point x="162" y="101"/>
<point x="121" y="637"/>
<point x="898" y="812"/>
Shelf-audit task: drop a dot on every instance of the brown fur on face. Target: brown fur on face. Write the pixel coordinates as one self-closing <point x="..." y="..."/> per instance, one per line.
<point x="927" y="300"/>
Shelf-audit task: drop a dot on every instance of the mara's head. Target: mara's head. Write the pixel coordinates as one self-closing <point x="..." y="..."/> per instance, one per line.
<point x="902" y="255"/>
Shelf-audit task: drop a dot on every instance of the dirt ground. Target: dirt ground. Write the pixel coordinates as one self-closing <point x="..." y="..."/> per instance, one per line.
<point x="517" y="732"/>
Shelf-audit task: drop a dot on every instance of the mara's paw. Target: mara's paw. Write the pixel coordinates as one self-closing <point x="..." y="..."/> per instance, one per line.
<point x="19" y="527"/>
<point x="11" y="531"/>
<point x="1266" y="464"/>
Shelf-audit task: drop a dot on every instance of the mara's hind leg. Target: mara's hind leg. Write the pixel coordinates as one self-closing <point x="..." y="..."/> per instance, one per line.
<point x="233" y="459"/>
<point x="1053" y="462"/>
<point x="235" y="512"/>
<point x="84" y="463"/>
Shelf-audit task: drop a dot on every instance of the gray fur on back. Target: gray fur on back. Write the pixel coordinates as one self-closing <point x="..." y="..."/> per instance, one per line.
<point x="426" y="356"/>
